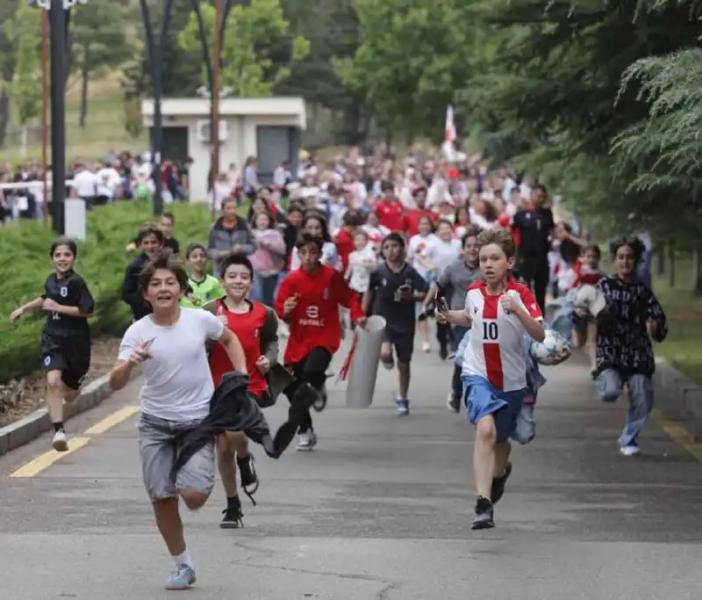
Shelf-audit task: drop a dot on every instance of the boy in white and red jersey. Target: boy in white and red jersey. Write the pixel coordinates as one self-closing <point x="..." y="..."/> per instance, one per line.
<point x="308" y="300"/>
<point x="499" y="312"/>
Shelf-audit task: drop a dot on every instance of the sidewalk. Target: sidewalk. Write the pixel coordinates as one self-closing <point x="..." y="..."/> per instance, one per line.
<point x="381" y="509"/>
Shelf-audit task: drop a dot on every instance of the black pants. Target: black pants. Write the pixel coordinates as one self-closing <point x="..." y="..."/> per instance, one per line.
<point x="444" y="336"/>
<point x="313" y="370"/>
<point x="535" y="275"/>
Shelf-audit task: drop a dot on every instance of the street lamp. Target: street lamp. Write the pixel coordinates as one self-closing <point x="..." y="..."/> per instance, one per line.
<point x="58" y="20"/>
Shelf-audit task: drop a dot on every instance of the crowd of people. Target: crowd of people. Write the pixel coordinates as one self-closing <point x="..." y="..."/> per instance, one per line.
<point x="452" y="248"/>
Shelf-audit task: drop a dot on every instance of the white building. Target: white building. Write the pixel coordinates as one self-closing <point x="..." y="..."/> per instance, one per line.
<point x="267" y="128"/>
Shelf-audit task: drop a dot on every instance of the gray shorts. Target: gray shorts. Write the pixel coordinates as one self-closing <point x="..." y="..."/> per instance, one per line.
<point x="157" y="446"/>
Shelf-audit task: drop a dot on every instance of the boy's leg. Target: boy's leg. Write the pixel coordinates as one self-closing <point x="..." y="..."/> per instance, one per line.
<point x="484" y="455"/>
<point x="170" y="525"/>
<point x="502" y="452"/>
<point x="225" y="463"/>
<point x="403" y="369"/>
<point x="54" y="395"/>
<point x="609" y="385"/>
<point x="640" y="405"/>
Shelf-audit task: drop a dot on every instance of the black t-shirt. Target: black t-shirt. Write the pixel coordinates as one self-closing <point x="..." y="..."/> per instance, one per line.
<point x="535" y="230"/>
<point x="385" y="285"/>
<point x="172" y="244"/>
<point x="70" y="290"/>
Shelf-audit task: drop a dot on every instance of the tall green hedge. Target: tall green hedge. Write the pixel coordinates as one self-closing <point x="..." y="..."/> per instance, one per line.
<point x="25" y="264"/>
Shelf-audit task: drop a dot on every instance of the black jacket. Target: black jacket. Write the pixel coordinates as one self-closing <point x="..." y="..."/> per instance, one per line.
<point x="131" y="293"/>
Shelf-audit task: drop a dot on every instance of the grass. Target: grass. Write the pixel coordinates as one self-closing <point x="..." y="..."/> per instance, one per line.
<point x="684" y="311"/>
<point x="104" y="129"/>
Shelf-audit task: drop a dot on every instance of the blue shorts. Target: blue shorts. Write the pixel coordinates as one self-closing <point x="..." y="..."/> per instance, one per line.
<point x="482" y="398"/>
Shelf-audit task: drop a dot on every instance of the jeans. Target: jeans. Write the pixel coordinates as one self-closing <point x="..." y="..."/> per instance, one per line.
<point x="610" y="384"/>
<point x="313" y="370"/>
<point x="263" y="289"/>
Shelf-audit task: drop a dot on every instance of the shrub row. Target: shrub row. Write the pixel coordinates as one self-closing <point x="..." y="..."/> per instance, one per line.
<point x="25" y="264"/>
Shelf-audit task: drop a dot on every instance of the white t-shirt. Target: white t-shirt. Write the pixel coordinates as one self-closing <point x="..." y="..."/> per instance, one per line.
<point x="110" y="177"/>
<point x="178" y="384"/>
<point x="362" y="263"/>
<point x="85" y="183"/>
<point x="442" y="254"/>
<point x="495" y="349"/>
<point x="420" y="247"/>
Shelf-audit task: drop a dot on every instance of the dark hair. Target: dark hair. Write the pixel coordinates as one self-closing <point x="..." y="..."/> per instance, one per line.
<point x="169" y="215"/>
<point x="471" y="231"/>
<point x="229" y="199"/>
<point x="236" y="259"/>
<point x="64" y="241"/>
<point x="305" y="238"/>
<point x="147" y="230"/>
<point x="636" y="245"/>
<point x="195" y="246"/>
<point x="444" y="222"/>
<point x="542" y="187"/>
<point x="296" y="208"/>
<point x="252" y="214"/>
<point x="352" y="218"/>
<point x="394" y="237"/>
<point x="164" y="260"/>
<point x="323" y="222"/>
<point x="386" y="185"/>
<point x="416" y="191"/>
<point x="595" y="249"/>
<point x="500" y="237"/>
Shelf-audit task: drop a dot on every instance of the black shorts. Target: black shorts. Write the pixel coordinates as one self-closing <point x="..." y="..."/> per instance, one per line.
<point x="403" y="341"/>
<point x="70" y="355"/>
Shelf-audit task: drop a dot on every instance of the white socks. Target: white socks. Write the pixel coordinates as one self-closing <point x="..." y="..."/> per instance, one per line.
<point x="183" y="559"/>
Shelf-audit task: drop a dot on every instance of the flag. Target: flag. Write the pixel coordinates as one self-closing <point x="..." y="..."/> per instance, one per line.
<point x="450" y="130"/>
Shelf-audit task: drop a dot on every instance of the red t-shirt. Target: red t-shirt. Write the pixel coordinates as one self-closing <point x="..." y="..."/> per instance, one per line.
<point x="390" y="214"/>
<point x="315" y="321"/>
<point x="344" y="246"/>
<point x="247" y="327"/>
<point x="411" y="218"/>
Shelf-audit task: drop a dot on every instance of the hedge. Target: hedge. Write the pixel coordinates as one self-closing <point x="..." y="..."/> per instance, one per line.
<point x="25" y="264"/>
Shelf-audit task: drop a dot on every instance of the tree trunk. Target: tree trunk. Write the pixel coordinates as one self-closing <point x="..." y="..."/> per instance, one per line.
<point x="660" y="260"/>
<point x="23" y="141"/>
<point x="697" y="270"/>
<point x="671" y="264"/>
<point x="84" y="89"/>
<point x="4" y="114"/>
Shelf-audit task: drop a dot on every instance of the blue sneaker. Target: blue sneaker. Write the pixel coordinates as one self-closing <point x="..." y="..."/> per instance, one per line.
<point x="181" y="579"/>
<point x="402" y="406"/>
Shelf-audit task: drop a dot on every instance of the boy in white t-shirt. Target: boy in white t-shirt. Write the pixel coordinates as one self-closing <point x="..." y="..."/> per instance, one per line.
<point x="175" y="398"/>
<point x="499" y="312"/>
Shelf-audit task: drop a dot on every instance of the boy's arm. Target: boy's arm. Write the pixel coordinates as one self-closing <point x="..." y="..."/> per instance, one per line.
<point x="348" y="298"/>
<point x="32" y="305"/>
<point x="657" y="323"/>
<point x="232" y="346"/>
<point x="269" y="337"/>
<point x="130" y="287"/>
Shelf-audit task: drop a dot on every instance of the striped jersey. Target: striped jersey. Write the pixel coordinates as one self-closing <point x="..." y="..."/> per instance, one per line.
<point x="495" y="349"/>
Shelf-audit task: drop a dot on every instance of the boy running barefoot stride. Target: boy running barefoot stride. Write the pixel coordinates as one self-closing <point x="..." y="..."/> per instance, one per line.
<point x="499" y="311"/>
<point x="175" y="398"/>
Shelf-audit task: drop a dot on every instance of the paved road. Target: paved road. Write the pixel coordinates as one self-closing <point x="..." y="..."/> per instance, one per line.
<point x="381" y="510"/>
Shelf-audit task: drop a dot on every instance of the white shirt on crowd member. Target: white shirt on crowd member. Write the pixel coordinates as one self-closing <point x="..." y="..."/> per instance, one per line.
<point x="178" y="384"/>
<point x="85" y="183"/>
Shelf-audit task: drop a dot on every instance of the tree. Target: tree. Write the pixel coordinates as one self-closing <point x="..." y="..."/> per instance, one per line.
<point x="251" y="34"/>
<point x="7" y="66"/>
<point x="26" y="84"/>
<point x="98" y="41"/>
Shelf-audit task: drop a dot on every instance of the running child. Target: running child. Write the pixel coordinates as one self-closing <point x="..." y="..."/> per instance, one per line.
<point x="362" y="262"/>
<point x="65" y="341"/>
<point x="203" y="287"/>
<point x="625" y="327"/>
<point x="499" y="312"/>
<point x="309" y="300"/>
<point x="394" y="289"/>
<point x="150" y="241"/>
<point x="175" y="398"/>
<point x="256" y="326"/>
<point x="166" y="225"/>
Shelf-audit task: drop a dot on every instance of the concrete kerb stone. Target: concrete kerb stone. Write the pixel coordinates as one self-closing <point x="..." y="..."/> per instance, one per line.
<point x="677" y="396"/>
<point x="33" y="425"/>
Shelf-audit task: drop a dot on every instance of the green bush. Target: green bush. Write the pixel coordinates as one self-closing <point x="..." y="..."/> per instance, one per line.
<point x="25" y="264"/>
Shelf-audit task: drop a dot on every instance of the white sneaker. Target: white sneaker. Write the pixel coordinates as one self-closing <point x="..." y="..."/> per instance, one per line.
<point x="426" y="347"/>
<point x="60" y="441"/>
<point x="631" y="450"/>
<point x="306" y="441"/>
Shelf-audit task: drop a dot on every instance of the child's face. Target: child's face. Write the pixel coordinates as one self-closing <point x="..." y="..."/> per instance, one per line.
<point x="392" y="251"/>
<point x="625" y="261"/>
<point x="295" y="218"/>
<point x="197" y="260"/>
<point x="237" y="281"/>
<point x="360" y="241"/>
<point x="424" y="226"/>
<point x="470" y="250"/>
<point x="262" y="221"/>
<point x="166" y="227"/>
<point x="445" y="232"/>
<point x="309" y="257"/>
<point x="63" y="259"/>
<point x="592" y="260"/>
<point x="150" y="245"/>
<point x="313" y="227"/>
<point x="494" y="263"/>
<point x="163" y="291"/>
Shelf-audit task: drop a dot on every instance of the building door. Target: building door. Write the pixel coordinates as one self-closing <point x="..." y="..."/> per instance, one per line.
<point x="175" y="144"/>
<point x="276" y="144"/>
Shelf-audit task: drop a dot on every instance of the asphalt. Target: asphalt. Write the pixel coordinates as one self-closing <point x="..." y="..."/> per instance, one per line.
<point x="380" y="510"/>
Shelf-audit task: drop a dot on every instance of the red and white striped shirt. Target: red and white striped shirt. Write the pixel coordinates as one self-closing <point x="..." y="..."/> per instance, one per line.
<point x="496" y="350"/>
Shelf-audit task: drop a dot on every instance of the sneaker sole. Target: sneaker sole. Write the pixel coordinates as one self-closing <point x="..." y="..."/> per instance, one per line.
<point x="179" y="588"/>
<point x="228" y="525"/>
<point x="303" y="448"/>
<point x="60" y="446"/>
<point x="483" y="525"/>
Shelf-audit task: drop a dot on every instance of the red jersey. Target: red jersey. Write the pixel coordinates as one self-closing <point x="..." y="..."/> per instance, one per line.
<point x="315" y="321"/>
<point x="344" y="246"/>
<point x="390" y="214"/>
<point x="247" y="327"/>
<point x="411" y="218"/>
<point x="586" y="276"/>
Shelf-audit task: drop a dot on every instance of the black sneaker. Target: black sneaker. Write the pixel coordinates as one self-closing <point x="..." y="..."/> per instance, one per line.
<point x="483" y="514"/>
<point x="232" y="518"/>
<point x="249" y="478"/>
<point x="320" y="402"/>
<point x="498" y="484"/>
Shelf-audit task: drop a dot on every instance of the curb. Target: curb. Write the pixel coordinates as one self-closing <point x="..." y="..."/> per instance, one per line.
<point x="680" y="397"/>
<point x="34" y="424"/>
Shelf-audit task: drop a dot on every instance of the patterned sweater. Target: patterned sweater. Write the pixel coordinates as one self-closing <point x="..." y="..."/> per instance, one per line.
<point x="623" y="343"/>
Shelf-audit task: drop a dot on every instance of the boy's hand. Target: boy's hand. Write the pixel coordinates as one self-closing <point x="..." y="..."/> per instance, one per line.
<point x="509" y="303"/>
<point x="140" y="354"/>
<point x="290" y="304"/>
<point x="50" y="305"/>
<point x="407" y="295"/>
<point x="15" y="315"/>
<point x="263" y="364"/>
